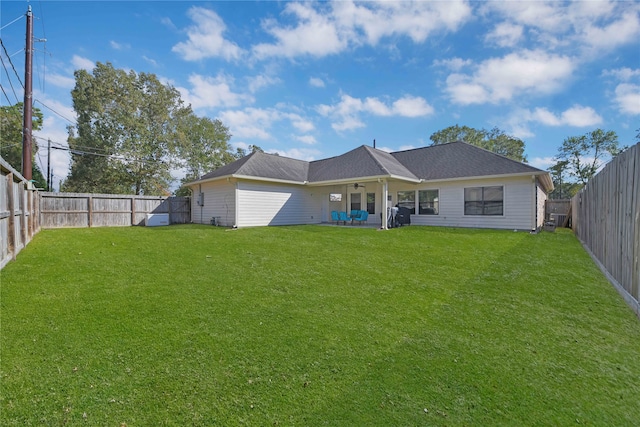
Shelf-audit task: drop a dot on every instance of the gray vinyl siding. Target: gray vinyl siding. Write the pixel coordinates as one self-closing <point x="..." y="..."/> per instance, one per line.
<point x="261" y="204"/>
<point x="518" y="208"/>
<point x="219" y="201"/>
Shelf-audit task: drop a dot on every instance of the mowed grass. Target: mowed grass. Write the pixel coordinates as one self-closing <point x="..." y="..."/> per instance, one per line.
<point x="313" y="325"/>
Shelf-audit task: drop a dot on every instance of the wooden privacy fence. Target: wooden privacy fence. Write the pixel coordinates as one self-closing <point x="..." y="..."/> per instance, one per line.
<point x="557" y="211"/>
<point x="59" y="210"/>
<point x="606" y="218"/>
<point x="19" y="205"/>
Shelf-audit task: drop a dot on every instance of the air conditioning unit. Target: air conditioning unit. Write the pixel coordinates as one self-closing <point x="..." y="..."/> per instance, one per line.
<point x="156" y="220"/>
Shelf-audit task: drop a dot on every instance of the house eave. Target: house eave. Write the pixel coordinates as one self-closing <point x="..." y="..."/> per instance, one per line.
<point x="544" y="177"/>
<point x="378" y="178"/>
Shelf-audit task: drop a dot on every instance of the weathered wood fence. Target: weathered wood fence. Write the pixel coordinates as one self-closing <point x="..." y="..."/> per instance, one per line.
<point x="557" y="210"/>
<point x="58" y="210"/>
<point x="606" y="218"/>
<point x="19" y="206"/>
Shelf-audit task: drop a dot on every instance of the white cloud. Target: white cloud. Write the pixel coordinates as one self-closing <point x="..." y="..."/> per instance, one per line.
<point x="256" y="122"/>
<point x="628" y="98"/>
<point x="412" y="106"/>
<point x="306" y="139"/>
<point x="212" y="92"/>
<point x="579" y="116"/>
<point x="261" y="81"/>
<point x="298" y="122"/>
<point x="321" y="29"/>
<point x="622" y="31"/>
<point x="345" y="113"/>
<point x="586" y="27"/>
<point x="454" y="64"/>
<point x="501" y="79"/>
<point x="543" y="163"/>
<point x="119" y="46"/>
<point x="624" y="74"/>
<point x="61" y="81"/>
<point x="505" y="35"/>
<point x="249" y="123"/>
<point x="206" y="38"/>
<point x="316" y="82"/>
<point x="150" y="61"/>
<point x="307" y="154"/>
<point x="80" y="63"/>
<point x="316" y="35"/>
<point x="576" y="116"/>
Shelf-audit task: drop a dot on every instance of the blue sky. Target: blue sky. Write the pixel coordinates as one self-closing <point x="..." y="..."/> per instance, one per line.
<point x="311" y="80"/>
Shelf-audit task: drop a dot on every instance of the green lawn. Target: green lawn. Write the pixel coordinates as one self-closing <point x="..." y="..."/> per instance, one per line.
<point x="313" y="325"/>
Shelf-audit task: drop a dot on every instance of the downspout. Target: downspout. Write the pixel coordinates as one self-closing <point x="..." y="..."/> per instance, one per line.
<point x="235" y="214"/>
<point x="201" y="204"/>
<point x="534" y="217"/>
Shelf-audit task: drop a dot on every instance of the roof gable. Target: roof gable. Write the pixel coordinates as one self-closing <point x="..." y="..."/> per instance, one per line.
<point x="263" y="165"/>
<point x="361" y="162"/>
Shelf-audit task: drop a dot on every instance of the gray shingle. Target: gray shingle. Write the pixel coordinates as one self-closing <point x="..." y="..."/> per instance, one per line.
<point x="445" y="161"/>
<point x="458" y="160"/>
<point x="361" y="162"/>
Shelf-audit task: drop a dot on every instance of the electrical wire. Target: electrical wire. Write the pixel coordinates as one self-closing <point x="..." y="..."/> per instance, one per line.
<point x="9" y="79"/>
<point x="11" y="62"/>
<point x="54" y="111"/>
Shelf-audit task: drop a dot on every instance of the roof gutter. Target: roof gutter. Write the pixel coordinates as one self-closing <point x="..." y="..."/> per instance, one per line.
<point x="362" y="179"/>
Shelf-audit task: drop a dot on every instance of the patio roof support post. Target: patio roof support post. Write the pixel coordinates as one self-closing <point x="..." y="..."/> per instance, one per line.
<point x="385" y="193"/>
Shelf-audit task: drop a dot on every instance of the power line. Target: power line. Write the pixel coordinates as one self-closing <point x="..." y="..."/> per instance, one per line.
<point x="12" y="22"/>
<point x="9" y="79"/>
<point x="11" y="62"/>
<point x="51" y="109"/>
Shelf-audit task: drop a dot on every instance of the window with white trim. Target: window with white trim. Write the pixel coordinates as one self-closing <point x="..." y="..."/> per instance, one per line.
<point x="428" y="202"/>
<point x="484" y="200"/>
<point x="407" y="199"/>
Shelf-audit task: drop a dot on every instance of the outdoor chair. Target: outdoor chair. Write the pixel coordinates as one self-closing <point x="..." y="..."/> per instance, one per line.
<point x="335" y="217"/>
<point x="361" y="217"/>
<point x="342" y="216"/>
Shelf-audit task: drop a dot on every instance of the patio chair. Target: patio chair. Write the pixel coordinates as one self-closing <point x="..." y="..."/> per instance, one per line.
<point x="342" y="216"/>
<point x="335" y="217"/>
<point x="361" y="217"/>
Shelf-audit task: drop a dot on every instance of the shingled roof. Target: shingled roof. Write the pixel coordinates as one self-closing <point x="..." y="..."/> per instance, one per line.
<point x="263" y="165"/>
<point x="459" y="160"/>
<point x="363" y="162"/>
<point x="453" y="160"/>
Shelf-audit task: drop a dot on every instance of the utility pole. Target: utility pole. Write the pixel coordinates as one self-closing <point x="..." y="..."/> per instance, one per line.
<point x="27" y="105"/>
<point x="49" y="164"/>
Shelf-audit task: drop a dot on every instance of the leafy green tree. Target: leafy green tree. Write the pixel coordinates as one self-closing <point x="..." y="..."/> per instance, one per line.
<point x="493" y="140"/>
<point x="563" y="188"/>
<point x="241" y="152"/>
<point x="11" y="122"/>
<point x="202" y="146"/>
<point x="126" y="131"/>
<point x="585" y="154"/>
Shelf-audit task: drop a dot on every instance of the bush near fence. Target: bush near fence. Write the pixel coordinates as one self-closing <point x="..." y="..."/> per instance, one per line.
<point x="606" y="218"/>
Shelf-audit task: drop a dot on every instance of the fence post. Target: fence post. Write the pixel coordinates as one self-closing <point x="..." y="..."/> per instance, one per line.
<point x="11" y="227"/>
<point x="90" y="211"/>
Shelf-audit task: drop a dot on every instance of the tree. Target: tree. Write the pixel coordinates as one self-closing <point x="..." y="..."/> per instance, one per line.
<point x="494" y="140"/>
<point x="241" y="152"/>
<point x="11" y="123"/>
<point x="202" y="146"/>
<point x="587" y="153"/>
<point x="563" y="188"/>
<point x="125" y="134"/>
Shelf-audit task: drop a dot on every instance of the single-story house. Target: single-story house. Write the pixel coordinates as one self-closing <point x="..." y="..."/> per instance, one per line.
<point x="454" y="184"/>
